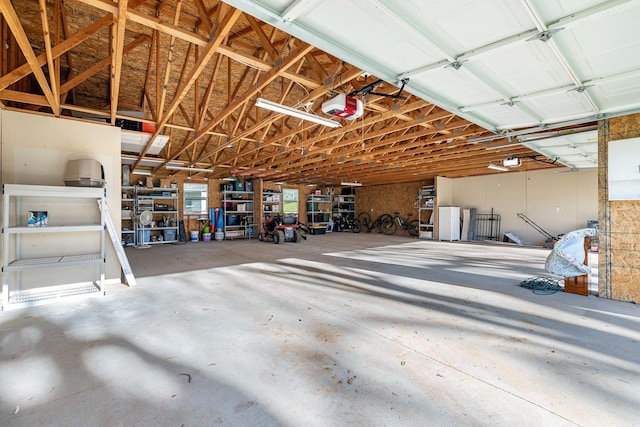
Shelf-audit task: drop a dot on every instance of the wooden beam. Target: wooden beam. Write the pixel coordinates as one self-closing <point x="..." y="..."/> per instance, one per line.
<point x="197" y="39"/>
<point x="15" y="25"/>
<point x="167" y="69"/>
<point x="293" y="57"/>
<point x="117" y="46"/>
<point x="95" y="68"/>
<point x="204" y="15"/>
<point x="53" y="78"/>
<point x="223" y="30"/>
<point x="82" y="35"/>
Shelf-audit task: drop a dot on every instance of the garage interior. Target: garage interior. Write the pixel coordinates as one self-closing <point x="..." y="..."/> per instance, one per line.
<point x="505" y="110"/>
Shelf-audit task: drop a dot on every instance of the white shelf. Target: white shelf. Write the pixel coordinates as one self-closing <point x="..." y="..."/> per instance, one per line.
<point x="56" y="261"/>
<point x="49" y="294"/>
<point x="53" y="229"/>
<point x="17" y="195"/>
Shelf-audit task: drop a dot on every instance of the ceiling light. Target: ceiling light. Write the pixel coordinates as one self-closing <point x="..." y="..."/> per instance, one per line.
<point x="497" y="167"/>
<point x="142" y="172"/>
<point x="351" y="184"/>
<point x="190" y="169"/>
<point x="228" y="179"/>
<point x="283" y="109"/>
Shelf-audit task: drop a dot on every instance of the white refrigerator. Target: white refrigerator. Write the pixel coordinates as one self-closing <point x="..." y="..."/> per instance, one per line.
<point x="449" y="223"/>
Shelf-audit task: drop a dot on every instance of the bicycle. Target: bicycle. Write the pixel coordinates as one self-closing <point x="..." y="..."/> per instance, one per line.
<point x="412" y="226"/>
<point x="342" y="223"/>
<point x="384" y="223"/>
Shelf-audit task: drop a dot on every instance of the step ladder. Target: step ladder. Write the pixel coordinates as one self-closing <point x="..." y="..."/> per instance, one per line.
<point x="122" y="256"/>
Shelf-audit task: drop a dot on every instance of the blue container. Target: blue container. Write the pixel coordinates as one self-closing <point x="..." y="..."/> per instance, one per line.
<point x="146" y="235"/>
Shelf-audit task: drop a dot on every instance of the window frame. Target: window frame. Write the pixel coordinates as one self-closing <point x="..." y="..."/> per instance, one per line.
<point x="203" y="188"/>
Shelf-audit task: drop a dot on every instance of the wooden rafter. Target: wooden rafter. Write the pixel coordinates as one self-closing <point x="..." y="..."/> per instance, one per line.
<point x="117" y="47"/>
<point x="267" y="78"/>
<point x="167" y="69"/>
<point x="205" y="56"/>
<point x="198" y="81"/>
<point x="95" y="68"/>
<point x="13" y="21"/>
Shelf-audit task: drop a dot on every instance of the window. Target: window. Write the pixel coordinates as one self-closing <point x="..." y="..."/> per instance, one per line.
<point x="290" y="201"/>
<point x="195" y="199"/>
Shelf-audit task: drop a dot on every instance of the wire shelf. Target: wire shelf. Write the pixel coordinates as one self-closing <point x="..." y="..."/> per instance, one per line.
<point x="41" y="294"/>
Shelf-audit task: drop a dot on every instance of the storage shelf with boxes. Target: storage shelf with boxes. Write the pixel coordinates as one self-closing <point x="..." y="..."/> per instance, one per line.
<point x="237" y="206"/>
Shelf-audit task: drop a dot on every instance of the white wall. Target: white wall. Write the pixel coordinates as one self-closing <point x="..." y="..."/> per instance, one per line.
<point x="557" y="202"/>
<point x="35" y="150"/>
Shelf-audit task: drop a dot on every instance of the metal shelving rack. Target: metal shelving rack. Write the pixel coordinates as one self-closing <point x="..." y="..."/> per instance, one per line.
<point x="128" y="208"/>
<point x="318" y="210"/>
<point x="159" y="201"/>
<point x="426" y="211"/>
<point x="15" y="254"/>
<point x="237" y="214"/>
<point x="272" y="204"/>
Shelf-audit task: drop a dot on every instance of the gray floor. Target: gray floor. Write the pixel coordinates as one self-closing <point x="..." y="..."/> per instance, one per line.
<point x="342" y="329"/>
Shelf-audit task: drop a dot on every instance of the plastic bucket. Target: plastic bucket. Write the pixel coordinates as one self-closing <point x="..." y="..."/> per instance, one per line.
<point x="194" y="236"/>
<point x="206" y="237"/>
<point x="218" y="235"/>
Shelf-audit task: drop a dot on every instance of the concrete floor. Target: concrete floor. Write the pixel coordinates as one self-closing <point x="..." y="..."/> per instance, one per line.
<point x="342" y="329"/>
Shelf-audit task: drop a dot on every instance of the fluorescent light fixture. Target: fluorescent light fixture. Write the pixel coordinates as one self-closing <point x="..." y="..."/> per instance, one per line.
<point x="136" y="141"/>
<point x="351" y="184"/>
<point x="185" y="168"/>
<point x="279" y="108"/>
<point x="228" y="179"/>
<point x="497" y="167"/>
<point x="142" y="172"/>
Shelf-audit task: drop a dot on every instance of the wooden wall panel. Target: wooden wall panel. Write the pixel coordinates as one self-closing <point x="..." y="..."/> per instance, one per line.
<point x="381" y="199"/>
<point x="619" y="222"/>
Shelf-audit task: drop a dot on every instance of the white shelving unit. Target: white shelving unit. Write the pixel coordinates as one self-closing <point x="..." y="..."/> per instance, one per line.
<point x="271" y="204"/>
<point x="163" y="205"/>
<point x="128" y="207"/>
<point x="28" y="248"/>
<point x="237" y="214"/>
<point x="318" y="210"/>
<point x="426" y="211"/>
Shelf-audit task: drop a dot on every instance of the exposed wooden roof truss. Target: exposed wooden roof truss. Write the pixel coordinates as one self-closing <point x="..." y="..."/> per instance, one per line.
<point x="194" y="69"/>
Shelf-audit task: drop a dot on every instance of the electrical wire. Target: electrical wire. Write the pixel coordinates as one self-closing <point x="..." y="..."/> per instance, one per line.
<point x="542" y="285"/>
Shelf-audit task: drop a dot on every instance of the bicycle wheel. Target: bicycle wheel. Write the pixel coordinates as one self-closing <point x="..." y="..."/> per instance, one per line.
<point x="365" y="220"/>
<point x="413" y="228"/>
<point x="356" y="227"/>
<point x="387" y="224"/>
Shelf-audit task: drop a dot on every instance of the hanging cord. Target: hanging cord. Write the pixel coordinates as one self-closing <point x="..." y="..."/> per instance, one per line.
<point x="542" y="285"/>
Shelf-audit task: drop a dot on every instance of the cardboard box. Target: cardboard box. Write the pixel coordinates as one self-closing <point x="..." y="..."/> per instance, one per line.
<point x="165" y="182"/>
<point x="149" y="182"/>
